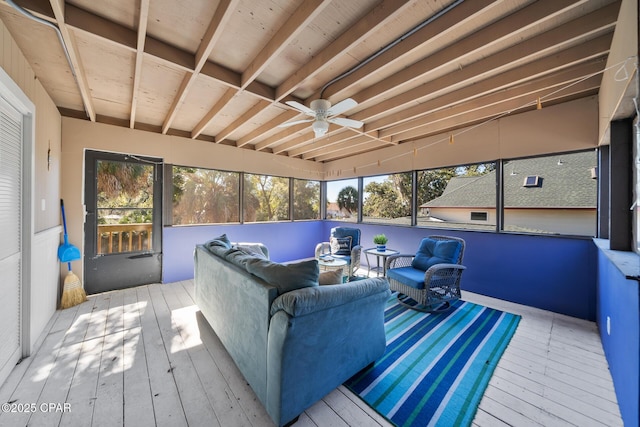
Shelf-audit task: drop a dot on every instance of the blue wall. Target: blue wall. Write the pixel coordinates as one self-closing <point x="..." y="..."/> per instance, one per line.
<point x="564" y="275"/>
<point x="551" y="273"/>
<point x="286" y="241"/>
<point x="618" y="300"/>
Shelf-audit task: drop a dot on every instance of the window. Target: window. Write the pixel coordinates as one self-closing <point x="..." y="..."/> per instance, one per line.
<point x="306" y="199"/>
<point x="478" y="216"/>
<point x="204" y="196"/>
<point x="387" y="198"/>
<point x="452" y="197"/>
<point x="342" y="200"/>
<point x="266" y="198"/>
<point x="559" y="196"/>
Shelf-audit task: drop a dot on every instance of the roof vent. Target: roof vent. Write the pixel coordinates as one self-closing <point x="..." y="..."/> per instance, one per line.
<point x="531" y="181"/>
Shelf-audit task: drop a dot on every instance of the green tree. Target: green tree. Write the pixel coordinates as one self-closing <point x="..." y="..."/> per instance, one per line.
<point x="384" y="200"/>
<point x="272" y="194"/>
<point x="348" y="199"/>
<point x="306" y="199"/>
<point x="204" y="196"/>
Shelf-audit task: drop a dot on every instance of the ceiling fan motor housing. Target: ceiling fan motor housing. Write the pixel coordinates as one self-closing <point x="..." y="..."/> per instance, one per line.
<point x="321" y="107"/>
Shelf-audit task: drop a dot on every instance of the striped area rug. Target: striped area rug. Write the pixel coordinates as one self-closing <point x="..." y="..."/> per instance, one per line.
<point x="436" y="366"/>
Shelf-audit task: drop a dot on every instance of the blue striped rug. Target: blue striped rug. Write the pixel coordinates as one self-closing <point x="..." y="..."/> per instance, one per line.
<point x="436" y="366"/>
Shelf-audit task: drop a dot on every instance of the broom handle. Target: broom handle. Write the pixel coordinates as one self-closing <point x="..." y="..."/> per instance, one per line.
<point x="69" y="265"/>
<point x="64" y="223"/>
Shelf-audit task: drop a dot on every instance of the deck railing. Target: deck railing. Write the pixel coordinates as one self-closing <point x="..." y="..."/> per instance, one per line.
<point x="116" y="238"/>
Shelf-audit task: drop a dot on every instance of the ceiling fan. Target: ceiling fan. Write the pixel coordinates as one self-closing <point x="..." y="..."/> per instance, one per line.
<point x="323" y="114"/>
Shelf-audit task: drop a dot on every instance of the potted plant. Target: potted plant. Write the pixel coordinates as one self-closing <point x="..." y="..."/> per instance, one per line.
<point x="381" y="242"/>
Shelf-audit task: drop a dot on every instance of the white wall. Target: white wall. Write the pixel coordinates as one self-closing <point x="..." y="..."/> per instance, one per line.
<point x="45" y="215"/>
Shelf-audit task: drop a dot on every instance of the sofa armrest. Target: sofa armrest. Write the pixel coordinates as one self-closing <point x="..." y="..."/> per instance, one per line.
<point x="310" y="300"/>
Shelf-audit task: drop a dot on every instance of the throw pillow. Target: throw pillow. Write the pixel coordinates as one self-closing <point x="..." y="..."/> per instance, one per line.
<point x="341" y="245"/>
<point x="285" y="277"/>
<point x="250" y="249"/>
<point x="432" y="252"/>
<point x="221" y="240"/>
<point x="330" y="277"/>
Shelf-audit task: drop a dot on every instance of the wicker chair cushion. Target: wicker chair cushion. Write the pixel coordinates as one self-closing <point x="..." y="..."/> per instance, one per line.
<point x="407" y="275"/>
<point x="432" y="252"/>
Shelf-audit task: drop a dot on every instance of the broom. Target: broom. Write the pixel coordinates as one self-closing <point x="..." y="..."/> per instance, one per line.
<point x="73" y="293"/>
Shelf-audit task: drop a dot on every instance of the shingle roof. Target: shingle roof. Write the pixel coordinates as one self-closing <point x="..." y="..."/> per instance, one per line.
<point x="566" y="185"/>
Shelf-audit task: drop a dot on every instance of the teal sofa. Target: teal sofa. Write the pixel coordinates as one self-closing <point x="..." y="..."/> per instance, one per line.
<point x="293" y="341"/>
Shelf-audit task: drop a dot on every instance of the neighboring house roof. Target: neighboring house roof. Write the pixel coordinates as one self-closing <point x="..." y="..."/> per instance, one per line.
<point x="566" y="185"/>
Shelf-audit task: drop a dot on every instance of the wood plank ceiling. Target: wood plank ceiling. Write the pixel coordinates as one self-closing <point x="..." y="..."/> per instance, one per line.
<point x="222" y="70"/>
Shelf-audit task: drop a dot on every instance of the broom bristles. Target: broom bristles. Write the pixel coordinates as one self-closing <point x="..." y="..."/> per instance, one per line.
<point x="73" y="293"/>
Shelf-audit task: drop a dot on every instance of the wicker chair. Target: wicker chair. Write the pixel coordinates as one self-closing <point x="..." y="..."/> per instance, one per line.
<point x="350" y="254"/>
<point x="441" y="284"/>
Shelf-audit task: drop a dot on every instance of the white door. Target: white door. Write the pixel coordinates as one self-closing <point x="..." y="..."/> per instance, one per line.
<point x="10" y="236"/>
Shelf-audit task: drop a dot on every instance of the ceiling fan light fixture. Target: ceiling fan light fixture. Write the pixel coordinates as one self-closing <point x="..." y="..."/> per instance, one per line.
<point x="320" y="127"/>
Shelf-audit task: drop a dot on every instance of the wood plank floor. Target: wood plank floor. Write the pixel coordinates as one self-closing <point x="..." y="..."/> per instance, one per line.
<point x="145" y="357"/>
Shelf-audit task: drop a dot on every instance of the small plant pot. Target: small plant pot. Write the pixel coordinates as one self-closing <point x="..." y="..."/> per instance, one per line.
<point x="381" y="248"/>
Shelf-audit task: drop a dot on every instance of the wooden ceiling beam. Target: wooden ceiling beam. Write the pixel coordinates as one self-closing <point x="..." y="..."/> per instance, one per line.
<point x="222" y="102"/>
<point x="267" y="127"/>
<point x="76" y="64"/>
<point x="452" y="102"/>
<point x="455" y="17"/>
<point x="369" y="24"/>
<point x="511" y="106"/>
<point x="306" y="12"/>
<point x="297" y="22"/>
<point x="516" y="22"/>
<point x="592" y="23"/>
<point x="123" y="37"/>
<point x="294" y="147"/>
<point x="602" y="18"/>
<point x="540" y="67"/>
<point x="222" y="15"/>
<point x="137" y="71"/>
<point x="350" y="151"/>
<point x="344" y="145"/>
<point x="311" y="150"/>
<point x="248" y="115"/>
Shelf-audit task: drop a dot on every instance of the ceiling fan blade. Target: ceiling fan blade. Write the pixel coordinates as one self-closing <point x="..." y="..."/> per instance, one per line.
<point x="342" y="106"/>
<point x="346" y="122"/>
<point x="295" y="122"/>
<point x="301" y="107"/>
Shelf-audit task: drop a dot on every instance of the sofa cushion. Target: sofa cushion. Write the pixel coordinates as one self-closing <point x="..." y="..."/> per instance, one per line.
<point x="285" y="277"/>
<point x="432" y="252"/>
<point x="407" y="275"/>
<point x="341" y="245"/>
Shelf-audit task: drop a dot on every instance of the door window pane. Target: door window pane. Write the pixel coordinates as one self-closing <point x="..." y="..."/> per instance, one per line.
<point x="342" y="200"/>
<point x="124" y="207"/>
<point x="458" y="197"/>
<point x="205" y="196"/>
<point x="559" y="199"/>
